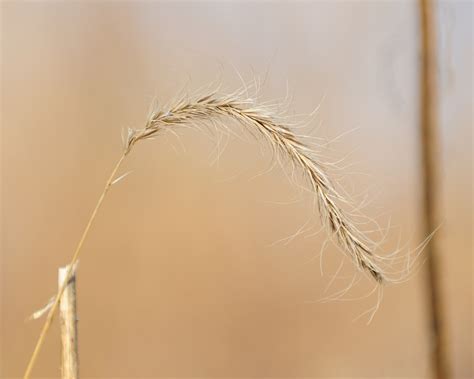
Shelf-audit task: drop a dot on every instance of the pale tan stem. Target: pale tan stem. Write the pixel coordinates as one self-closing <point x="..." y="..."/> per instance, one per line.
<point x="75" y="256"/>
<point x="68" y="324"/>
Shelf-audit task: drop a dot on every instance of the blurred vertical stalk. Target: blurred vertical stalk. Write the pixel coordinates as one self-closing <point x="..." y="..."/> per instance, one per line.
<point x="68" y="322"/>
<point x="430" y="162"/>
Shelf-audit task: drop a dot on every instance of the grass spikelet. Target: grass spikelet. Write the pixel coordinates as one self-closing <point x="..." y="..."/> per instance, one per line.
<point x="260" y="119"/>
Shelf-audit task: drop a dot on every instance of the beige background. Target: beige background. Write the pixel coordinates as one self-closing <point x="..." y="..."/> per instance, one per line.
<point x="179" y="277"/>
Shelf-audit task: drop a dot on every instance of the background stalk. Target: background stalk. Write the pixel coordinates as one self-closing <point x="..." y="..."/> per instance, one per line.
<point x="430" y="155"/>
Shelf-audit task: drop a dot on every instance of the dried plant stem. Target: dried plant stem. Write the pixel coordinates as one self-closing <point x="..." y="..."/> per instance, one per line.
<point x="68" y="324"/>
<point x="74" y="259"/>
<point x="430" y="155"/>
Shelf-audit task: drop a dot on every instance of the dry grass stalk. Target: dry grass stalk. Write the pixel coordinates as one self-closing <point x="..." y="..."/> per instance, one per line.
<point x="211" y="108"/>
<point x="75" y="257"/>
<point x="68" y="324"/>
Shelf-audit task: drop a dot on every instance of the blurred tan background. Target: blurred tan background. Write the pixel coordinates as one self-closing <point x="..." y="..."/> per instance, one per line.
<point x="180" y="276"/>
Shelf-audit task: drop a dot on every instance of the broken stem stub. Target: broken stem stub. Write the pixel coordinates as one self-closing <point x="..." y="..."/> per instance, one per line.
<point x="68" y="324"/>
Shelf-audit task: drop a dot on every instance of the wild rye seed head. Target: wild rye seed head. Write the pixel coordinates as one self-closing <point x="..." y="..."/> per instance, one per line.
<point x="247" y="113"/>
